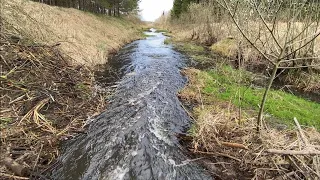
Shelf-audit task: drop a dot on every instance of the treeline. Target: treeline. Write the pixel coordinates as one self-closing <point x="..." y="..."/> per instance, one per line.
<point x="181" y="6"/>
<point x="110" y="7"/>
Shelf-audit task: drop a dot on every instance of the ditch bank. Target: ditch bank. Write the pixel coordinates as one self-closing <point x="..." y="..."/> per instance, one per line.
<point x="223" y="102"/>
<point x="48" y="89"/>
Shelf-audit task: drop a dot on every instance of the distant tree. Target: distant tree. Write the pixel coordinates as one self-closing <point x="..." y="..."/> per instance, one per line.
<point x="110" y="7"/>
<point x="180" y="6"/>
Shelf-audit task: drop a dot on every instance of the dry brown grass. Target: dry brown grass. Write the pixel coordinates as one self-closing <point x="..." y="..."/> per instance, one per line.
<point x="233" y="148"/>
<point x="44" y="99"/>
<point x="85" y="37"/>
<point x="197" y="26"/>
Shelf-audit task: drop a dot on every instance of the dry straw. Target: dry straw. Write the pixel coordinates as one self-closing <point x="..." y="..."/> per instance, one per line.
<point x="85" y="37"/>
<point x="44" y="99"/>
<point x="233" y="144"/>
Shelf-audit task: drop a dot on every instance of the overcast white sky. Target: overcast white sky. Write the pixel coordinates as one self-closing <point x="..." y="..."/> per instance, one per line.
<point x="152" y="9"/>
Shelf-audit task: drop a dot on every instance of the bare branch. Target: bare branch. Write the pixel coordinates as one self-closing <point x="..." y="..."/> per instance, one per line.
<point x="297" y="59"/>
<point x="311" y="40"/>
<point x="266" y="25"/>
<point x="297" y="67"/>
<point x="244" y="35"/>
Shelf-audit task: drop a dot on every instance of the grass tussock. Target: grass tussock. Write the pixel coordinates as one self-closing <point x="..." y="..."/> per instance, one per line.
<point x="225" y="136"/>
<point x="44" y="99"/>
<point x="87" y="38"/>
<point x="226" y="47"/>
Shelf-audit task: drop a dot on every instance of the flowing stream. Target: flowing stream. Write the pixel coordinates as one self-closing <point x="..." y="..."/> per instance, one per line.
<point x="135" y="137"/>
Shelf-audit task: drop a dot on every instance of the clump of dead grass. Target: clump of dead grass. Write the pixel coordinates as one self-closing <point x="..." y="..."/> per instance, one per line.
<point x="233" y="148"/>
<point x="307" y="81"/>
<point x="44" y="100"/>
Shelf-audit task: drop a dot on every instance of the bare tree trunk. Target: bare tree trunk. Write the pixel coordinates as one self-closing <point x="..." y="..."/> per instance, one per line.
<point x="273" y="75"/>
<point x="118" y="10"/>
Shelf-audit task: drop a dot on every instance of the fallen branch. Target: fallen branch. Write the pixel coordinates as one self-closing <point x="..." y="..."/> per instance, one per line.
<point x="234" y="145"/>
<point x="293" y="152"/>
<point x="18" y="169"/>
<point x="308" y="150"/>
<point x="12" y="176"/>
<point x="304" y="139"/>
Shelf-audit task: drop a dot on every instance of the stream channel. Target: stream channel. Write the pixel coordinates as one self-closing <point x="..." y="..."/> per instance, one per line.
<point x="135" y="137"/>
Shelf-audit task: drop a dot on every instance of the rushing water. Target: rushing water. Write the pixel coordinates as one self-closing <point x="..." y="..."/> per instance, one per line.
<point x="135" y="137"/>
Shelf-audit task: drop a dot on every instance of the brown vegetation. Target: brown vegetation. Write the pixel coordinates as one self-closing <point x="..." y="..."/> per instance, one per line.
<point x="232" y="148"/>
<point x="48" y="90"/>
<point x="256" y="36"/>
<point x="88" y="39"/>
<point x="44" y="99"/>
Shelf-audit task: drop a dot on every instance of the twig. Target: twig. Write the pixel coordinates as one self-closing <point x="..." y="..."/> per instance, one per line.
<point x="234" y="145"/>
<point x="189" y="114"/>
<point x="12" y="176"/>
<point x="36" y="161"/>
<point x="186" y="162"/>
<point x="200" y="98"/>
<point x="15" y="167"/>
<point x="293" y="152"/>
<point x="304" y="139"/>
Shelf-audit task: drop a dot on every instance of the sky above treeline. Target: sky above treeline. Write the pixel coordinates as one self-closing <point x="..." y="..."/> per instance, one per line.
<point x="152" y="9"/>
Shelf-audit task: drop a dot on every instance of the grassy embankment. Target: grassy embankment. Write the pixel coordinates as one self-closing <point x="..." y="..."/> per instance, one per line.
<point x="226" y="103"/>
<point x="225" y="82"/>
<point x="226" y="99"/>
<point x="48" y="91"/>
<point x="85" y="37"/>
<point x="216" y="47"/>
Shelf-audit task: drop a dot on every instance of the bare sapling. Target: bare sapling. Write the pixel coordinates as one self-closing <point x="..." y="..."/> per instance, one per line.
<point x="283" y="32"/>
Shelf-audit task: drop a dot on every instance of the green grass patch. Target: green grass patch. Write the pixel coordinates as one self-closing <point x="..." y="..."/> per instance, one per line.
<point x="147" y="35"/>
<point x="4" y="121"/>
<point x="201" y="58"/>
<point x="226" y="47"/>
<point x="191" y="48"/>
<point x="167" y="41"/>
<point x="146" y="29"/>
<point x="226" y="83"/>
<point x="162" y="31"/>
